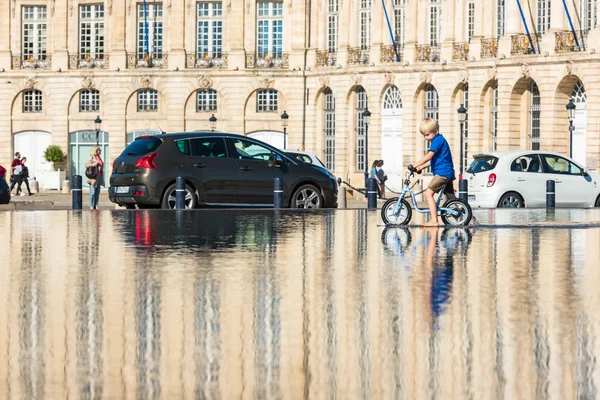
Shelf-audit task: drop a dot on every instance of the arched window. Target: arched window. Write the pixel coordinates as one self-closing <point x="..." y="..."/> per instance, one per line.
<point x="329" y="109"/>
<point x="543" y="16"/>
<point x="32" y="101"/>
<point x="206" y="100"/>
<point x="89" y="100"/>
<point x="361" y="105"/>
<point x="535" y="112"/>
<point x="579" y="95"/>
<point x="333" y="10"/>
<point x="147" y="100"/>
<point x="392" y="99"/>
<point x="579" y="139"/>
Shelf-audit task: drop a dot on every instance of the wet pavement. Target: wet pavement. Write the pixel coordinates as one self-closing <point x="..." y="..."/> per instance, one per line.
<point x="280" y="304"/>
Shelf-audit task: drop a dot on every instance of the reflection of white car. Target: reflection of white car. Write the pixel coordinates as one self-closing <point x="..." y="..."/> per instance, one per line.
<point x="518" y="179"/>
<point x="305" y="157"/>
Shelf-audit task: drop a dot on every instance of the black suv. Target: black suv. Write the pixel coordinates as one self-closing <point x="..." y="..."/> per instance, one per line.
<point x="220" y="169"/>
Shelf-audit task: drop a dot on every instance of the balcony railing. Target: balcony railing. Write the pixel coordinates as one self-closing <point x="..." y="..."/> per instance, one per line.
<point x="139" y="60"/>
<point x="460" y="52"/>
<point x="489" y="48"/>
<point x="325" y="59"/>
<point x="267" y="60"/>
<point x="428" y="53"/>
<point x="522" y="46"/>
<point x="565" y="42"/>
<point x="389" y="56"/>
<point x="356" y="55"/>
<point x="31" y="62"/>
<point x="87" y="61"/>
<point x="215" y="59"/>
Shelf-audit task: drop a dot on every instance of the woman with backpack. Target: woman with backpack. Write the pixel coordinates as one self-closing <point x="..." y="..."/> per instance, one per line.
<point x="93" y="171"/>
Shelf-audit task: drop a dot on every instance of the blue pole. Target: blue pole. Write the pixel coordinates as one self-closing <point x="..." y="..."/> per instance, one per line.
<point x="526" y="28"/>
<point x="571" y="24"/>
<point x="146" y="31"/>
<point x="391" y="33"/>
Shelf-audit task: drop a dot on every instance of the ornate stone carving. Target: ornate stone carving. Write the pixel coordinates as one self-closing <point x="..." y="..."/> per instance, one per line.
<point x="493" y="74"/>
<point x="489" y="48"/>
<point x="570" y="68"/>
<point x="205" y="82"/>
<point x="525" y="72"/>
<point x="146" y="82"/>
<point x="324" y="81"/>
<point x="267" y="83"/>
<point x="357" y="79"/>
<point x="87" y="82"/>
<point x="389" y="78"/>
<point x="31" y="82"/>
<point x="426" y="77"/>
<point x="463" y="76"/>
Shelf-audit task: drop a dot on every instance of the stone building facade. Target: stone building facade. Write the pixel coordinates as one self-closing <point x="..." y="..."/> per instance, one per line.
<point x="173" y="64"/>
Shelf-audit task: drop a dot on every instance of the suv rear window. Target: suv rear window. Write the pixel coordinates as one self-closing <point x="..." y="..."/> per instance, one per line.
<point x="142" y="146"/>
<point x="482" y="164"/>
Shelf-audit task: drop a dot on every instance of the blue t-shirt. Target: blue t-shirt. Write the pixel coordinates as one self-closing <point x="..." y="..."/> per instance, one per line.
<point x="441" y="163"/>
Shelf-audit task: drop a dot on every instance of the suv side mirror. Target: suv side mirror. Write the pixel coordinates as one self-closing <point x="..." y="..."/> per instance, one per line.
<point x="277" y="160"/>
<point x="585" y="173"/>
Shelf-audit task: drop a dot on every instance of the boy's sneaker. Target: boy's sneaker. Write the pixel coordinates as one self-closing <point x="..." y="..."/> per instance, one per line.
<point x="22" y="194"/>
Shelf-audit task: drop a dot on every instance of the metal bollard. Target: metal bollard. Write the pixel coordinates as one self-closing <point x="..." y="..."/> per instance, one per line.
<point x="463" y="190"/>
<point x="180" y="193"/>
<point x="342" y="201"/>
<point x="371" y="193"/>
<point x="550" y="194"/>
<point x="278" y="192"/>
<point x="76" y="193"/>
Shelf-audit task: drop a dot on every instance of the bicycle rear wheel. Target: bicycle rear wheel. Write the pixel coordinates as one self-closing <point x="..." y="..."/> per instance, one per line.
<point x="394" y="214"/>
<point x="462" y="208"/>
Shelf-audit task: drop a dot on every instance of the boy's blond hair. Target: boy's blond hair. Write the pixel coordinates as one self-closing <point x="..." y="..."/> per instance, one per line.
<point x="429" y="125"/>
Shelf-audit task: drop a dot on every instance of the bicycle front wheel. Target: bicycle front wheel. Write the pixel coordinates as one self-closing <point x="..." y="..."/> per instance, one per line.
<point x="463" y="213"/>
<point x="393" y="213"/>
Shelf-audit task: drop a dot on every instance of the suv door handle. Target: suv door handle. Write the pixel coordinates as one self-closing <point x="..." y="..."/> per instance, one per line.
<point x="557" y="181"/>
<point x="199" y="165"/>
<point x="520" y="179"/>
<point x="246" y="168"/>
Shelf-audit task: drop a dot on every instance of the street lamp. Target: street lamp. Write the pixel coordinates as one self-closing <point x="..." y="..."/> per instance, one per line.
<point x="213" y="122"/>
<point x="462" y="117"/>
<point x="284" y="123"/>
<point x="366" y="119"/>
<point x="97" y="123"/>
<point x="571" y="111"/>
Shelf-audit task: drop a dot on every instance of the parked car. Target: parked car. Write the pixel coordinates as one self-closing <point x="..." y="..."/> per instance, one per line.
<point x="305" y="157"/>
<point x="220" y="169"/>
<point x="518" y="179"/>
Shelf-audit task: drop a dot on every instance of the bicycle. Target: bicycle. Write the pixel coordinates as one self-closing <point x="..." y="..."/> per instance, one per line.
<point x="397" y="211"/>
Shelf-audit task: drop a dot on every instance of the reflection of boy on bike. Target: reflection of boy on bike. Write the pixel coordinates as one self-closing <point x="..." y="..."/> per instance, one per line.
<point x="439" y="157"/>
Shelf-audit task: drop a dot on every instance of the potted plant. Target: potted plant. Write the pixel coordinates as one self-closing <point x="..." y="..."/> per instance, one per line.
<point x="53" y="180"/>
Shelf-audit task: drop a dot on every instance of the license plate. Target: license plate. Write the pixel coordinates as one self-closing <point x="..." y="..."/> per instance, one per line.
<point x="122" y="189"/>
<point x="472" y="198"/>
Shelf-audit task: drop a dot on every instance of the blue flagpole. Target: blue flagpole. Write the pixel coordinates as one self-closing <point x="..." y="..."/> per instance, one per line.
<point x="391" y="33"/>
<point x="571" y="24"/>
<point x="146" y="32"/>
<point x="526" y="28"/>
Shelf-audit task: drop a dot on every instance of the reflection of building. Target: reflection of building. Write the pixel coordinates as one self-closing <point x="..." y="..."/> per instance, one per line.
<point x="288" y="307"/>
<point x="179" y="62"/>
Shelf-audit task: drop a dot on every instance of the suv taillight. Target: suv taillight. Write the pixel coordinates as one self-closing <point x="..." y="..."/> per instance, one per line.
<point x="491" y="180"/>
<point x="147" y="161"/>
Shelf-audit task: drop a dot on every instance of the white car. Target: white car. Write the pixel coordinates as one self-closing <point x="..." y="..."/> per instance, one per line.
<point x="518" y="179"/>
<point x="305" y="157"/>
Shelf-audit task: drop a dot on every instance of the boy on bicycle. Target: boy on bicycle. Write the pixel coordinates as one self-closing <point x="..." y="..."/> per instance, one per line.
<point x="439" y="158"/>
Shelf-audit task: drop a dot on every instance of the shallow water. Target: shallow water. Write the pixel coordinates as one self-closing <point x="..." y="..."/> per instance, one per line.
<point x="256" y="305"/>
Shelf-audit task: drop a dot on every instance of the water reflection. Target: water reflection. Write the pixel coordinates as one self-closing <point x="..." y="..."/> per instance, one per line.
<point x="225" y="304"/>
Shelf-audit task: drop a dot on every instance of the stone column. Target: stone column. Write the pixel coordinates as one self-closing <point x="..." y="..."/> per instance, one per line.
<point x="235" y="32"/>
<point x="451" y="18"/>
<point x="295" y="25"/>
<point x="118" y="53"/>
<point x="514" y="26"/>
<point x="558" y="23"/>
<point x="177" y="19"/>
<point x="344" y="32"/>
<point x="483" y="28"/>
<point x="411" y="31"/>
<point x="379" y="29"/>
<point x="5" y="55"/>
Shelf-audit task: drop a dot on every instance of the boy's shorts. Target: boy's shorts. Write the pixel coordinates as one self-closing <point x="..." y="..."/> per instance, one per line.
<point x="441" y="182"/>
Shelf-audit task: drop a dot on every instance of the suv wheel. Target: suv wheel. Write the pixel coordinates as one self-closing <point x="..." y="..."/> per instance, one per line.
<point x="307" y="196"/>
<point x="168" y="201"/>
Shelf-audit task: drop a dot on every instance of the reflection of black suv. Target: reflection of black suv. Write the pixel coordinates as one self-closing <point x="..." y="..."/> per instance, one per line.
<point x="220" y="169"/>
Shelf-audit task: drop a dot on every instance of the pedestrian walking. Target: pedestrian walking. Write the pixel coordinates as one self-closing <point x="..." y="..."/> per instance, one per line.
<point x="24" y="177"/>
<point x="93" y="171"/>
<point x="15" y="171"/>
<point x="373" y="175"/>
<point x="382" y="178"/>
